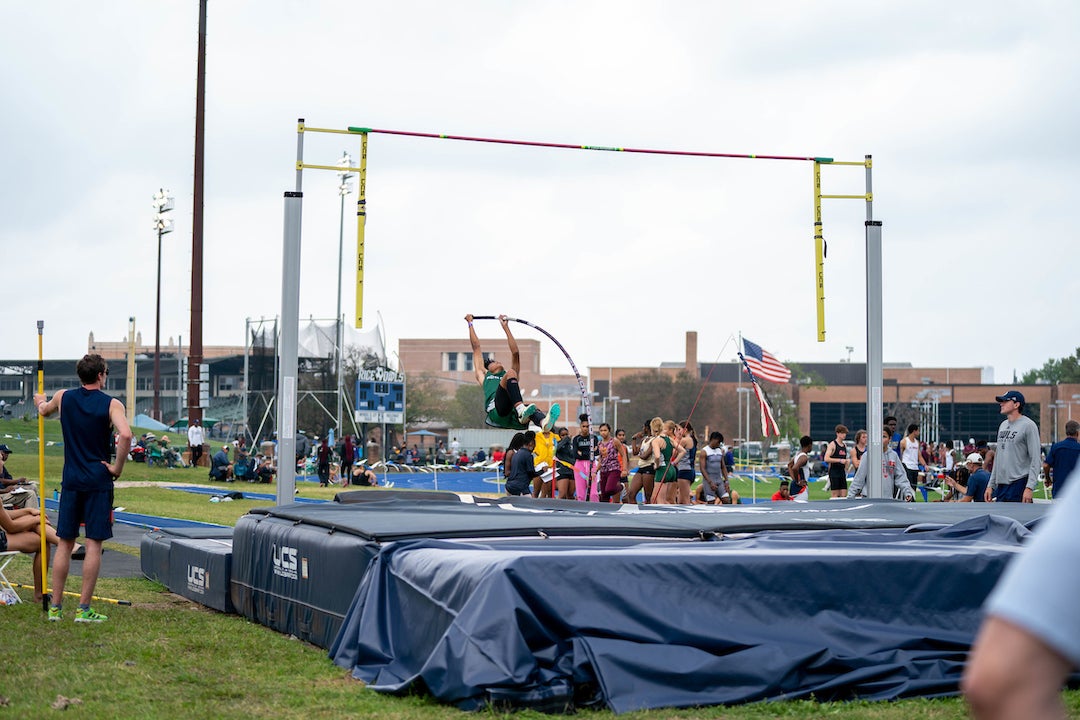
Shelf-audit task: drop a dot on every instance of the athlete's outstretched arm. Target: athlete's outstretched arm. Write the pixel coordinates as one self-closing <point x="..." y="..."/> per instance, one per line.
<point x="515" y="356"/>
<point x="477" y="356"/>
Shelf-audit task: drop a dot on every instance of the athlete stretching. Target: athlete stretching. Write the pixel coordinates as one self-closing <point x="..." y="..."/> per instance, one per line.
<point x="502" y="395"/>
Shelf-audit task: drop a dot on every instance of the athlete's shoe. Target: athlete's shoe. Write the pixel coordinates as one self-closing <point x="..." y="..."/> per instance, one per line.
<point x="88" y="615"/>
<point x="524" y="413"/>
<point x="552" y="417"/>
<point x="55" y="614"/>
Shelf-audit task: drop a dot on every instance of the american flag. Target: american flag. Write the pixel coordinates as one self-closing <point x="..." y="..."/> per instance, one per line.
<point x="768" y="422"/>
<point x="763" y="364"/>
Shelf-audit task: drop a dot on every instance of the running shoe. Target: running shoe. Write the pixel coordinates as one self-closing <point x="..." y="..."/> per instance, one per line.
<point x="525" y="412"/>
<point x="88" y="615"/>
<point x="552" y="417"/>
<point x="55" y="614"/>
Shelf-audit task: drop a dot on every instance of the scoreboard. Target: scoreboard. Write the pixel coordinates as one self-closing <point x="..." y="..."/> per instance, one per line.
<point x="380" y="396"/>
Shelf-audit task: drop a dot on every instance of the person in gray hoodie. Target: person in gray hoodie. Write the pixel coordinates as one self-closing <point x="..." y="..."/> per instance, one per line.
<point x="895" y="482"/>
<point x="1018" y="456"/>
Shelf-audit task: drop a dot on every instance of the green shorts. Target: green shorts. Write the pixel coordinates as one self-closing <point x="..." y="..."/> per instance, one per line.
<point x="666" y="474"/>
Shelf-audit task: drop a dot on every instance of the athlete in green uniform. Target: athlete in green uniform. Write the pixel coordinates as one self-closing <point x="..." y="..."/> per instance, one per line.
<point x="667" y="451"/>
<point x="502" y="395"/>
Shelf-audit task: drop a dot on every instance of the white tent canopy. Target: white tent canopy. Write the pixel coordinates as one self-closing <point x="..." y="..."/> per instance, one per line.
<point x="316" y="338"/>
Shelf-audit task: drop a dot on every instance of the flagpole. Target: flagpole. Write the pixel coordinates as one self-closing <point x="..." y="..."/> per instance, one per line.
<point x="738" y="392"/>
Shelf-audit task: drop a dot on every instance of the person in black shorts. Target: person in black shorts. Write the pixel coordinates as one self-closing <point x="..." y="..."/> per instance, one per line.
<point x="87" y="416"/>
<point x="564" y="465"/>
<point x="836" y="458"/>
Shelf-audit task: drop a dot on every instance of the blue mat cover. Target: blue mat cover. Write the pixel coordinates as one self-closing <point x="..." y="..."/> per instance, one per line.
<point x="643" y="623"/>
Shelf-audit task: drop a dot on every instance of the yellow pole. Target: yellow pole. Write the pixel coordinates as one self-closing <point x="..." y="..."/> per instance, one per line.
<point x="41" y="455"/>
<point x="819" y="255"/>
<point x="361" y="219"/>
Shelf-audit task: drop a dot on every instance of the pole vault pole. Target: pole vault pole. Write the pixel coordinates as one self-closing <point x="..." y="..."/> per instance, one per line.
<point x="114" y="601"/>
<point x="41" y="464"/>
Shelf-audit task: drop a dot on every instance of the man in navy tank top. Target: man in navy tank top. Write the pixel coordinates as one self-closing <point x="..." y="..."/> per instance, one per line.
<point x="87" y="416"/>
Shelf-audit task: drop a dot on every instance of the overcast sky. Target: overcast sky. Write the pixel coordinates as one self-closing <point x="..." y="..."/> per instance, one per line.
<point x="968" y="109"/>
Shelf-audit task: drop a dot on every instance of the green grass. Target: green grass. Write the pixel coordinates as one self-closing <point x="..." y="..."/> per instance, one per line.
<point x="165" y="657"/>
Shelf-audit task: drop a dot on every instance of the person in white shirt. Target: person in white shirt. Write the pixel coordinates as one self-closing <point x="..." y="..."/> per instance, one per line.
<point x="195" y="438"/>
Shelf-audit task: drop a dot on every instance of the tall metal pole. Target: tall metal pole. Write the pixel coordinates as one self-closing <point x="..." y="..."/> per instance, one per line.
<point x="179" y="375"/>
<point x="343" y="190"/>
<point x="247" y="355"/>
<point x="195" y="356"/>
<point x="163" y="224"/>
<point x="290" y="331"/>
<point x="874" y="401"/>
<point x="157" y="337"/>
<point x="739" y="394"/>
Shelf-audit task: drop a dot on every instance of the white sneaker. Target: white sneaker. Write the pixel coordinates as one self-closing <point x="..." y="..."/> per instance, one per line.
<point x="524" y="412"/>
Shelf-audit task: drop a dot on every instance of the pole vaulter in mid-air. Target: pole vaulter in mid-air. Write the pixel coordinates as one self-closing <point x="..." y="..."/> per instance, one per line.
<point x="502" y="393"/>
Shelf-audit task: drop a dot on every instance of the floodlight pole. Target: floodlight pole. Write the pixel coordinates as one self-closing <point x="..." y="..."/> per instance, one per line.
<point x="163" y="204"/>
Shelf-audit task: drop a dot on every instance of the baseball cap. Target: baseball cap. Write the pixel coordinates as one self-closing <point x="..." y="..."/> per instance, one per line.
<point x="5" y="448"/>
<point x="1011" y="395"/>
<point x="975" y="458"/>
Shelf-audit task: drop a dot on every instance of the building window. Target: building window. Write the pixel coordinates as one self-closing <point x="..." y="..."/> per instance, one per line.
<point x="825" y="416"/>
<point x="450" y="363"/>
<point x="467" y="362"/>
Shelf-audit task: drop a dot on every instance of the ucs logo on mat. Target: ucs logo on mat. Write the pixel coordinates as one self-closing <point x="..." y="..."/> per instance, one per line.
<point x="197" y="579"/>
<point x="285" y="564"/>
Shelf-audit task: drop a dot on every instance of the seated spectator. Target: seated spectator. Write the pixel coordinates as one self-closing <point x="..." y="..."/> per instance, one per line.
<point x="264" y="473"/>
<point x="20" y="530"/>
<point x="977" y="481"/>
<point x="15" y="492"/>
<point x="244" y="467"/>
<point x="957" y="485"/>
<point x="365" y="476"/>
<point x="480" y="456"/>
<point x="784" y="493"/>
<point x="220" y="467"/>
<point x="170" y="454"/>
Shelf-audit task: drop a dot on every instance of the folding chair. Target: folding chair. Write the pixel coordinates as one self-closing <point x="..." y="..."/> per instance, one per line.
<point x="5" y="586"/>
